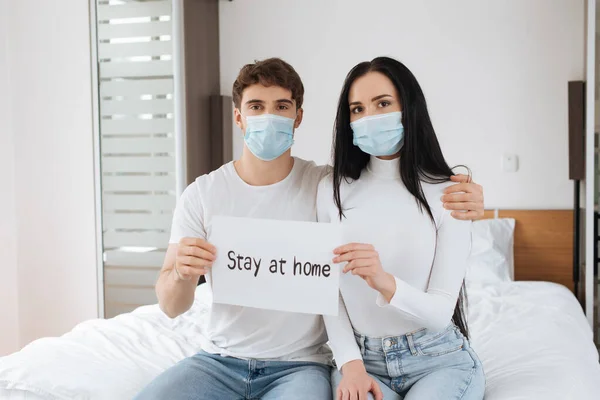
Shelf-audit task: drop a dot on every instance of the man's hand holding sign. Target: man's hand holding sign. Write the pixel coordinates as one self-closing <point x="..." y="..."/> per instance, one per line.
<point x="194" y="258"/>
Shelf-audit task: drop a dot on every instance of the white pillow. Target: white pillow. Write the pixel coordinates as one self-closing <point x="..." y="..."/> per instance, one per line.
<point x="491" y="259"/>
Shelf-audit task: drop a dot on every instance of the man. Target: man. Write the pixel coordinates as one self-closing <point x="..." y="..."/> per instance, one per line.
<point x="252" y="353"/>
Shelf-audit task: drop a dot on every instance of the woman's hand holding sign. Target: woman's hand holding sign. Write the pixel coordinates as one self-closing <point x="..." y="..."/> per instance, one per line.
<point x="194" y="257"/>
<point x="363" y="260"/>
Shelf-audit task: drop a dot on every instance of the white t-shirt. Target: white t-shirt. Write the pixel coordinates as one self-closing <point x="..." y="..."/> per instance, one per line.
<point x="427" y="260"/>
<point x="245" y="332"/>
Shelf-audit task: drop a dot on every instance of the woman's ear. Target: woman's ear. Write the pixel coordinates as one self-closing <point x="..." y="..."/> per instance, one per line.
<point x="299" y="115"/>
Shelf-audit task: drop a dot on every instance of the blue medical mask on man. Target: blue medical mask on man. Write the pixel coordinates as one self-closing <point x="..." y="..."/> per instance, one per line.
<point x="268" y="136"/>
<point x="379" y="135"/>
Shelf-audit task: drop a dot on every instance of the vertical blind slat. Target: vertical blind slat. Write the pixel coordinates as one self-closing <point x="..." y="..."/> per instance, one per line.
<point x="136" y="88"/>
<point x="136" y="69"/>
<point x="131" y="259"/>
<point x="136" y="107"/>
<point x="138" y="202"/>
<point x="136" y="126"/>
<point x="136" y="221"/>
<point x="138" y="164"/>
<point x="124" y="50"/>
<point x="137" y="145"/>
<point x="135" y="239"/>
<point x="138" y="183"/>
<point x="147" y="29"/>
<point x="133" y="9"/>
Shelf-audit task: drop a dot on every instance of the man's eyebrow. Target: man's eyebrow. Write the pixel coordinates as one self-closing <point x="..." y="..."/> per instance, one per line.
<point x="285" y="101"/>
<point x="255" y="101"/>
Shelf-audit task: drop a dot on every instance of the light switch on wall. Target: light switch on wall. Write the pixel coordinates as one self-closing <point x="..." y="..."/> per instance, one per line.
<point x="510" y="162"/>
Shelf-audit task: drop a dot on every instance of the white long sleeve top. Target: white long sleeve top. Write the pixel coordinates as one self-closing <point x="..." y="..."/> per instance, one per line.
<point x="427" y="259"/>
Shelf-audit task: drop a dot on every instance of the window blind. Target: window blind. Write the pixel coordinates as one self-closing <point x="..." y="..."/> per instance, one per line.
<point x="137" y="146"/>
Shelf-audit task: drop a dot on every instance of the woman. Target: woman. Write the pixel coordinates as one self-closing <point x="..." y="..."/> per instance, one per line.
<point x="389" y="175"/>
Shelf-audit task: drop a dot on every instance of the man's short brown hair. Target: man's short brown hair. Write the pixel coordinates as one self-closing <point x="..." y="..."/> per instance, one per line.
<point x="269" y="72"/>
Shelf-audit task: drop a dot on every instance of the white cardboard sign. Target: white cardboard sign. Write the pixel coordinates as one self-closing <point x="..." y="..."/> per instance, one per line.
<point x="277" y="265"/>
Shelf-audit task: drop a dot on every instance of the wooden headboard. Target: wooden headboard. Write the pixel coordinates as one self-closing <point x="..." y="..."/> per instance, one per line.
<point x="543" y="244"/>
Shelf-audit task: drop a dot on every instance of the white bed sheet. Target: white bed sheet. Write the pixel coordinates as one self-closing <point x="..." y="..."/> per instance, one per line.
<point x="534" y="342"/>
<point x="532" y="337"/>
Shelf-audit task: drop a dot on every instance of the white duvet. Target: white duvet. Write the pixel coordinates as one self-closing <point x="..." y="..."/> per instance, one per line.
<point x="532" y="337"/>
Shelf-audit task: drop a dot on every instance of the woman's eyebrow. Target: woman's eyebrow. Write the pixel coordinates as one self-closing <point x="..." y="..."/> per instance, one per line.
<point x="381" y="96"/>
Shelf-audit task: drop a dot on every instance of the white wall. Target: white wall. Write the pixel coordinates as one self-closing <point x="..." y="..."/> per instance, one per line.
<point x="50" y="67"/>
<point x="8" y="225"/>
<point x="495" y="75"/>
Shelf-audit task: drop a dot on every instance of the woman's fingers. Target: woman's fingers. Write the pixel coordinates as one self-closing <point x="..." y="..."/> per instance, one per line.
<point x="352" y="247"/>
<point x="376" y="390"/>
<point x="363" y="272"/>
<point x="353" y="255"/>
<point x="357" y="264"/>
<point x="345" y="394"/>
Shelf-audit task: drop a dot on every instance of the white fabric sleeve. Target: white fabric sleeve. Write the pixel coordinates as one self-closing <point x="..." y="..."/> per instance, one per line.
<point x="324" y="199"/>
<point x="433" y="309"/>
<point x="341" y="336"/>
<point x="188" y="218"/>
<point x="339" y="329"/>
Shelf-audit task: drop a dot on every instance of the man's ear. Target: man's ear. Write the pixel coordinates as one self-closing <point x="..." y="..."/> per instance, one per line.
<point x="237" y="117"/>
<point x="299" y="115"/>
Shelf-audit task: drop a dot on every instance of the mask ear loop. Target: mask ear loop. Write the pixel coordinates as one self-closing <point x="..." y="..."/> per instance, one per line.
<point x="469" y="172"/>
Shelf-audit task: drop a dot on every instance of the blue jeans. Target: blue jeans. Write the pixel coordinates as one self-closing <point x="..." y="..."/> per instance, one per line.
<point x="422" y="365"/>
<point x="213" y="377"/>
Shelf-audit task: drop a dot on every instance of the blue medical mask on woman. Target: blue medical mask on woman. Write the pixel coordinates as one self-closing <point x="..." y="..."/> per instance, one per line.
<point x="268" y="136"/>
<point x="379" y="135"/>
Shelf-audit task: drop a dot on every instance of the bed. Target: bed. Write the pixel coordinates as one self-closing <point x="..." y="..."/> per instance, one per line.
<point x="532" y="337"/>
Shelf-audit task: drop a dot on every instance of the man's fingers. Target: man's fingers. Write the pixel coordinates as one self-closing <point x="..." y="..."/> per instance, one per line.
<point x="194" y="261"/>
<point x="464" y="187"/>
<point x="353" y="394"/>
<point x="191" y="271"/>
<point x="458" y="197"/>
<point x="203" y="244"/>
<point x="461" y="206"/>
<point x="197" y="252"/>
<point x="460" y="178"/>
<point x="353" y="247"/>
<point x="354" y="255"/>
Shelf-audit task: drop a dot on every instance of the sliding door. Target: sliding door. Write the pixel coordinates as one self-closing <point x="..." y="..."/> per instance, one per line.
<point x="160" y="123"/>
<point x="137" y="146"/>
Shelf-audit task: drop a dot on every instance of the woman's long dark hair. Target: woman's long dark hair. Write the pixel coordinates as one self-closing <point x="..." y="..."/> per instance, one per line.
<point x="421" y="157"/>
